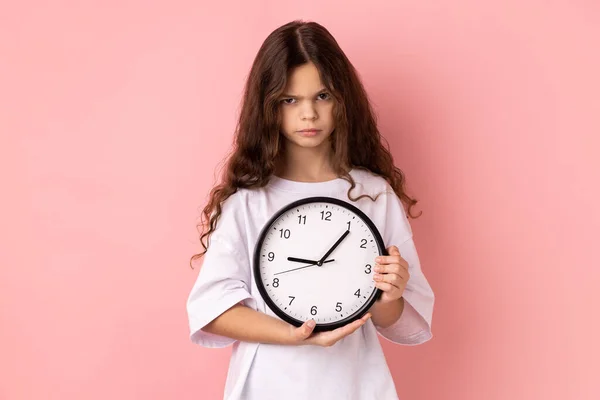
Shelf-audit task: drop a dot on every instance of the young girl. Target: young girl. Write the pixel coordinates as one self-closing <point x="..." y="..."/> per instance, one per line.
<point x="306" y="129"/>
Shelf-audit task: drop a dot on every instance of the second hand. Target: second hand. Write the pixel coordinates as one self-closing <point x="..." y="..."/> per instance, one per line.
<point x="306" y="266"/>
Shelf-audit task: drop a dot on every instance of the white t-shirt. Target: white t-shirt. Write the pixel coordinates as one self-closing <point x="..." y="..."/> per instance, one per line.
<point x="352" y="369"/>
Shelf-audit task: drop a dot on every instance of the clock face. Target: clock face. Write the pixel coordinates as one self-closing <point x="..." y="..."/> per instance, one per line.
<point x="315" y="259"/>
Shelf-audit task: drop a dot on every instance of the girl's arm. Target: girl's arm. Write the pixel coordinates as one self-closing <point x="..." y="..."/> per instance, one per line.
<point x="245" y="324"/>
<point x="387" y="314"/>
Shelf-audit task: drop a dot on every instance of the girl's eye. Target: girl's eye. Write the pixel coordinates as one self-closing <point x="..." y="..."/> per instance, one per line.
<point x="292" y="100"/>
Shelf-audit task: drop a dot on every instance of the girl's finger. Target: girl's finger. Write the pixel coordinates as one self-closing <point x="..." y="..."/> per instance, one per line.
<point x="394" y="279"/>
<point x="386" y="287"/>
<point x="401" y="272"/>
<point x="405" y="275"/>
<point x="389" y="260"/>
<point x="331" y="337"/>
<point x="390" y="269"/>
<point x="400" y="269"/>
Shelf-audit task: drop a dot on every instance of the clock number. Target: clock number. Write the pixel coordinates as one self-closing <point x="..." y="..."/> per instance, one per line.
<point x="292" y="299"/>
<point x="271" y="256"/>
<point x="363" y="243"/>
<point x="338" y="307"/>
<point x="276" y="282"/>
<point x="313" y="310"/>
<point x="368" y="269"/>
<point x="348" y="225"/>
<point x="326" y="215"/>
<point x="302" y="219"/>
<point x="357" y="293"/>
<point x="285" y="233"/>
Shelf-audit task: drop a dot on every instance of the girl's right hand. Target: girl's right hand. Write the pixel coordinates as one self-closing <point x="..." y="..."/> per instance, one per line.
<point x="302" y="334"/>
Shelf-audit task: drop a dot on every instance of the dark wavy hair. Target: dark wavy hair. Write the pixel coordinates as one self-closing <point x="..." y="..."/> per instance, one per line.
<point x="258" y="147"/>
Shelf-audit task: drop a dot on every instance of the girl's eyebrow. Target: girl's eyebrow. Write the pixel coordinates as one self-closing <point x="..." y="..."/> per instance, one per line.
<point x="299" y="97"/>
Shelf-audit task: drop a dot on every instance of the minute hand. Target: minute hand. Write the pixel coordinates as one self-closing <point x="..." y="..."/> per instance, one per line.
<point x="333" y="248"/>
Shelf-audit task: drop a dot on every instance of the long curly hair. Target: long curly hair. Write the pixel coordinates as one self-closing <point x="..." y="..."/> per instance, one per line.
<point x="258" y="146"/>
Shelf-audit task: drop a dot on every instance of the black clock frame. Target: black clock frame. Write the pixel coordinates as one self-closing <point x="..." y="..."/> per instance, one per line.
<point x="320" y="327"/>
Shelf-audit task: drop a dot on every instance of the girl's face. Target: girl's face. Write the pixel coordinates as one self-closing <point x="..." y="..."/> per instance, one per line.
<point x="306" y="104"/>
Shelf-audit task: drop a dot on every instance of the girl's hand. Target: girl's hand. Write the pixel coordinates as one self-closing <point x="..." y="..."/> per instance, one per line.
<point x="391" y="275"/>
<point x="302" y="334"/>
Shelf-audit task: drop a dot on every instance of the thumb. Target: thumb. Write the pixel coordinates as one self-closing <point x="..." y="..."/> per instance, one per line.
<point x="305" y="329"/>
<point x="393" y="251"/>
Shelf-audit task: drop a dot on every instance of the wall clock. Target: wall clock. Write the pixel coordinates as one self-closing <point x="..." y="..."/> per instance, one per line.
<point x="314" y="259"/>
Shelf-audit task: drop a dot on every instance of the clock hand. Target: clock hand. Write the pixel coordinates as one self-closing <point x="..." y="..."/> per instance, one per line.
<point x="306" y="266"/>
<point x="333" y="247"/>
<point x="302" y="260"/>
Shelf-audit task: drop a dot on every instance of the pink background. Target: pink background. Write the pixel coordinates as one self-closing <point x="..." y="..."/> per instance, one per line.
<point x="114" y="114"/>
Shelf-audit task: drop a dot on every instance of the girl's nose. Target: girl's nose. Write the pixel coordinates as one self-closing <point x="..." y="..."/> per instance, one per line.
<point x="309" y="112"/>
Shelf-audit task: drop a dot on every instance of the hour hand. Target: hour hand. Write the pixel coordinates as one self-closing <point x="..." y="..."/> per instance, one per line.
<point x="302" y="260"/>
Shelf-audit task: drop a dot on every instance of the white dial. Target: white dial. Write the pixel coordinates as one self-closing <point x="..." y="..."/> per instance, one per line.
<point x="314" y="259"/>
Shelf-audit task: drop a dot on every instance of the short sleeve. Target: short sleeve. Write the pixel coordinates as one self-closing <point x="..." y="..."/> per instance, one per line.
<point x="223" y="281"/>
<point x="414" y="325"/>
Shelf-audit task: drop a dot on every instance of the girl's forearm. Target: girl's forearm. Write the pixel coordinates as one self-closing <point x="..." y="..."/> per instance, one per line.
<point x="245" y="324"/>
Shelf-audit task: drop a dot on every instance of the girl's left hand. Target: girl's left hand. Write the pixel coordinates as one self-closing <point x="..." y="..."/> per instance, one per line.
<point x="391" y="275"/>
